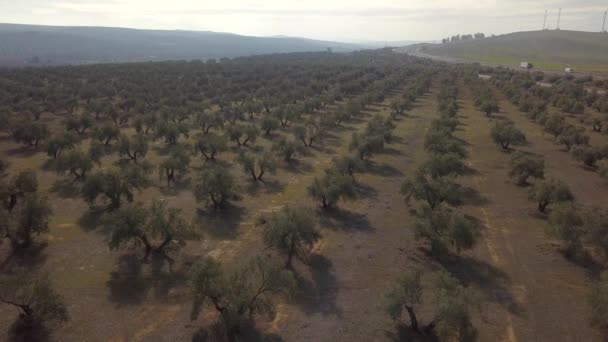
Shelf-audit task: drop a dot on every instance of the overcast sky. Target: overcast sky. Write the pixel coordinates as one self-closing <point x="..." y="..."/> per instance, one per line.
<point x="379" y="20"/>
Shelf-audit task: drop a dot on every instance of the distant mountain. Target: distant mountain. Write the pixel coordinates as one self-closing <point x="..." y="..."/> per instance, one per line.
<point x="584" y="51"/>
<point x="56" y="45"/>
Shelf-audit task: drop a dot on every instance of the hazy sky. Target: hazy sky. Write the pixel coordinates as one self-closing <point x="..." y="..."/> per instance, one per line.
<point x="380" y="20"/>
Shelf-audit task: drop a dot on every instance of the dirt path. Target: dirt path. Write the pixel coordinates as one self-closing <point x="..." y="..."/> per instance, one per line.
<point x="371" y="243"/>
<point x="534" y="293"/>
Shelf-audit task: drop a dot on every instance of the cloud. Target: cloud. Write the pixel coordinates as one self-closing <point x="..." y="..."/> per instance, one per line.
<point x="327" y="19"/>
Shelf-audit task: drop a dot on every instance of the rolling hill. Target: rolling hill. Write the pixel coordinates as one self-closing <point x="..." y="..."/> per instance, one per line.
<point x="584" y="51"/>
<point x="55" y="45"/>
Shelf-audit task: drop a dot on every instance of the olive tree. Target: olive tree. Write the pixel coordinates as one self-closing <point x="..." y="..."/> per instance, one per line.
<point x="215" y="185"/>
<point x="433" y="191"/>
<point x="210" y="145"/>
<point x="38" y="303"/>
<point x="589" y="155"/>
<point x="290" y="231"/>
<point x="79" y="123"/>
<point x="17" y="187"/>
<point x="332" y="187"/>
<point x="307" y="133"/>
<point x="442" y="165"/>
<point x="550" y="191"/>
<point x="115" y="185"/>
<point x="572" y="136"/>
<point x="451" y="305"/>
<point x="242" y="134"/>
<point x="175" y="166"/>
<point x="525" y="166"/>
<point x="287" y="149"/>
<point x="506" y="134"/>
<point x="256" y="165"/>
<point x="134" y="147"/>
<point x="75" y="162"/>
<point x="269" y="124"/>
<point x="238" y="295"/>
<point x="489" y="106"/>
<point x="446" y="230"/>
<point x="155" y="228"/>
<point x="566" y="222"/>
<point x="30" y="133"/>
<point x="59" y="143"/>
<point x="106" y="133"/>
<point x="30" y="217"/>
<point x="348" y="165"/>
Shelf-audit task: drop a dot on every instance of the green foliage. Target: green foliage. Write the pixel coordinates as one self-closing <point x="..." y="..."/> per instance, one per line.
<point x="170" y="131"/>
<point x="550" y="191"/>
<point x="116" y="185"/>
<point x="242" y="134"/>
<point x="589" y="155"/>
<point x="348" y="165"/>
<point x="59" y="143"/>
<point x="566" y="223"/>
<point x="134" y="147"/>
<point x="155" y="227"/>
<point x="366" y="145"/>
<point x="31" y="216"/>
<point x="210" y="145"/>
<point x="524" y="166"/>
<point x="287" y="149"/>
<point x="308" y="132"/>
<point x="75" y="162"/>
<point x="506" y="134"/>
<point x="291" y="231"/>
<point x="433" y="191"/>
<point x="256" y="165"/>
<point x="443" y="165"/>
<point x="79" y="123"/>
<point x="407" y="294"/>
<point x="451" y="304"/>
<point x="572" y="136"/>
<point x="30" y="133"/>
<point x="269" y="123"/>
<point x="238" y="295"/>
<point x="34" y="297"/>
<point x="446" y="230"/>
<point x="442" y="142"/>
<point x="16" y="187"/>
<point x="332" y="187"/>
<point x="489" y="106"/>
<point x="216" y="185"/>
<point x="106" y="133"/>
<point x="175" y="166"/>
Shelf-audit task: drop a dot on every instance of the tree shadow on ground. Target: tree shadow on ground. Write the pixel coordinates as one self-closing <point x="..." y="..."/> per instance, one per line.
<point x="342" y="219"/>
<point x="391" y="151"/>
<point x="66" y="188"/>
<point x="221" y="223"/>
<point x="317" y="288"/>
<point x="470" y="196"/>
<point x="298" y="166"/>
<point x="27" y="257"/>
<point x="134" y="279"/>
<point x="247" y="332"/>
<point x="23" y="151"/>
<point x="265" y="186"/>
<point x="92" y="219"/>
<point x="178" y="186"/>
<point x="365" y="191"/>
<point x="404" y="332"/>
<point x="383" y="170"/>
<point x="582" y="258"/>
<point x="19" y="331"/>
<point x="494" y="283"/>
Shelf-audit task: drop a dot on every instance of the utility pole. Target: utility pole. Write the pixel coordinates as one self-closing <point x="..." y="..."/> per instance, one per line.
<point x="545" y="22"/>
<point x="604" y="24"/>
<point x="559" y="17"/>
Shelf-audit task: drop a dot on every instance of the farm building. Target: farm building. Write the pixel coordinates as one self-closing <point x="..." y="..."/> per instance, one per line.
<point x="526" y="65"/>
